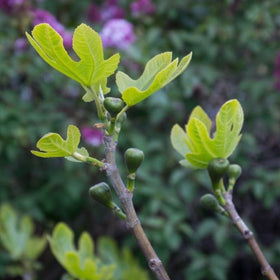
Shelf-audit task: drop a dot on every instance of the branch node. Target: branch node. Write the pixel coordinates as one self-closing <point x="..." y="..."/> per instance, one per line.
<point x="154" y="264"/>
<point x="247" y="234"/>
<point x="266" y="270"/>
<point x="134" y="223"/>
<point x="125" y="197"/>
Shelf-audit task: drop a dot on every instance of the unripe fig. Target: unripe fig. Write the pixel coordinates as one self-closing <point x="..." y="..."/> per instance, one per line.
<point x="101" y="193"/>
<point x="113" y="105"/>
<point x="217" y="168"/>
<point x="210" y="202"/>
<point x="133" y="158"/>
<point x="234" y="171"/>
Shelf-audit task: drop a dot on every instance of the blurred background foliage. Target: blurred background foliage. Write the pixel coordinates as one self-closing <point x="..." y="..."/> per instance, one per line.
<point x="236" y="54"/>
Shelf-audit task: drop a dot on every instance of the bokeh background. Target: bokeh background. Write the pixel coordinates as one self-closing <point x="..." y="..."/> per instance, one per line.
<point x="236" y="54"/>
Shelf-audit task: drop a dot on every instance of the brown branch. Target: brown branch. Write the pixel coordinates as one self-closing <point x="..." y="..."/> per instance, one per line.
<point x="133" y="222"/>
<point x="248" y="235"/>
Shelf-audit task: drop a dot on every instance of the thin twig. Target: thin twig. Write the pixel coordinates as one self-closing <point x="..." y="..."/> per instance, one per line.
<point x="248" y="235"/>
<point x="133" y="222"/>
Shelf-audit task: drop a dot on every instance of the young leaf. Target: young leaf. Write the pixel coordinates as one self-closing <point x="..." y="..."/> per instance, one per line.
<point x="16" y="235"/>
<point x="52" y="145"/>
<point x="200" y="147"/>
<point x="229" y="123"/>
<point x="90" y="70"/>
<point x="159" y="71"/>
<point x="81" y="263"/>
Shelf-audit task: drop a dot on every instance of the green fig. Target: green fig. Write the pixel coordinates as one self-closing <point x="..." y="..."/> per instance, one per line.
<point x="133" y="158"/>
<point x="101" y="193"/>
<point x="210" y="202"/>
<point x="234" y="171"/>
<point x="217" y="168"/>
<point x="113" y="105"/>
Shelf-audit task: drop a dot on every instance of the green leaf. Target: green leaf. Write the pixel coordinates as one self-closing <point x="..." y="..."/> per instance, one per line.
<point x="34" y="247"/>
<point x="229" y="122"/>
<point x="200" y="114"/>
<point x="127" y="266"/>
<point x="83" y="151"/>
<point x="52" y="145"/>
<point x="159" y="71"/>
<point x="61" y="241"/>
<point x="81" y="263"/>
<point x="197" y="145"/>
<point x="90" y="70"/>
<point x="178" y="140"/>
<point x="16" y="235"/>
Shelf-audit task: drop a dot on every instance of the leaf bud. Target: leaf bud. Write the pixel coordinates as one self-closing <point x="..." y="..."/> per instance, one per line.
<point x="217" y="168"/>
<point x="101" y="193"/>
<point x="133" y="159"/>
<point x="113" y="105"/>
<point x="210" y="202"/>
<point x="234" y="171"/>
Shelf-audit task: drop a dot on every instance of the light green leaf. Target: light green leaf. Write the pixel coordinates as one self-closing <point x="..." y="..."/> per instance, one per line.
<point x="83" y="151"/>
<point x="81" y="263"/>
<point x="159" y="71"/>
<point x="52" y="145"/>
<point x="34" y="247"/>
<point x="229" y="122"/>
<point x="90" y="70"/>
<point x="200" y="114"/>
<point x="61" y="241"/>
<point x="197" y="139"/>
<point x="16" y="235"/>
<point x="178" y="140"/>
<point x="85" y="247"/>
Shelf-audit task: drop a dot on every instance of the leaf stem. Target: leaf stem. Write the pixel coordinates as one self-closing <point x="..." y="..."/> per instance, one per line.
<point x="133" y="222"/>
<point x="124" y="109"/>
<point x="88" y="159"/>
<point x="248" y="235"/>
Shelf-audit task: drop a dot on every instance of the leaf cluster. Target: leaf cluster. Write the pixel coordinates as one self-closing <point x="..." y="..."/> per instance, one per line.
<point x="17" y="235"/>
<point x="197" y="145"/>
<point x="80" y="262"/>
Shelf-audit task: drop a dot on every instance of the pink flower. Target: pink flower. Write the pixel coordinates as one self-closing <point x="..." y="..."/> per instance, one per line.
<point x="43" y="16"/>
<point x="92" y="136"/>
<point x="117" y="33"/>
<point x="139" y="7"/>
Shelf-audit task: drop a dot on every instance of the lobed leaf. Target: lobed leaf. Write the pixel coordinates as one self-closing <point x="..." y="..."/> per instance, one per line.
<point x="90" y="70"/>
<point x="52" y="145"/>
<point x="80" y="263"/>
<point x="196" y="144"/>
<point x="159" y="71"/>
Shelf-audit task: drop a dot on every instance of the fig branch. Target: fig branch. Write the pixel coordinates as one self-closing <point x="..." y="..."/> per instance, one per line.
<point x="125" y="196"/>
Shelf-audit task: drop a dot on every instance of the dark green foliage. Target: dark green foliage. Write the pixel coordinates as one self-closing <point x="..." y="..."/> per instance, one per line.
<point x="234" y="48"/>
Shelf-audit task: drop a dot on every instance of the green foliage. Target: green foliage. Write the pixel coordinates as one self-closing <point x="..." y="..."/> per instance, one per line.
<point x="52" y="145"/>
<point x="127" y="267"/>
<point x="16" y="235"/>
<point x="91" y="70"/>
<point x="201" y="147"/>
<point x="159" y="71"/>
<point x="80" y="263"/>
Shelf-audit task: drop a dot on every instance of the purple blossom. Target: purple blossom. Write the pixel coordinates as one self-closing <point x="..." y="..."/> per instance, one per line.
<point x="92" y="136"/>
<point x="109" y="10"/>
<point x="93" y="13"/>
<point x="9" y="6"/>
<point x="277" y="71"/>
<point x="43" y="16"/>
<point x="20" y="45"/>
<point x="117" y="33"/>
<point x="140" y="7"/>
